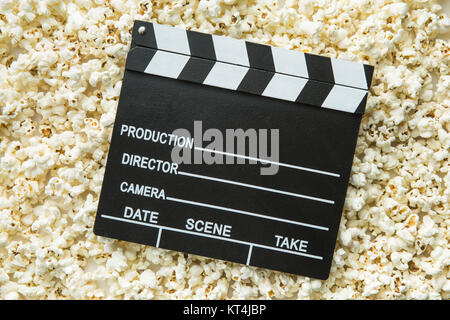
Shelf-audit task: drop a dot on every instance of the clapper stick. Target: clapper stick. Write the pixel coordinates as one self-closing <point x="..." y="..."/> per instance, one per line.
<point x="202" y="84"/>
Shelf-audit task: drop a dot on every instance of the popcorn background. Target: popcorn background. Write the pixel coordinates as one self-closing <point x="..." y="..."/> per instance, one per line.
<point x="61" y="65"/>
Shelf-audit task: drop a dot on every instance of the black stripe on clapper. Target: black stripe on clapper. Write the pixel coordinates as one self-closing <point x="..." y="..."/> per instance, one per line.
<point x="319" y="68"/>
<point x="368" y="70"/>
<point x="362" y="106"/>
<point x="148" y="38"/>
<point x="314" y="93"/>
<point x="196" y="70"/>
<point x="255" y="81"/>
<point x="201" y="45"/>
<point x="260" y="56"/>
<point x="139" y="58"/>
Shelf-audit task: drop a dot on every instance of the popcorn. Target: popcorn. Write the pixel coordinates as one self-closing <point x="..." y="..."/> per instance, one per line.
<point x="394" y="10"/>
<point x="25" y="188"/>
<point x="117" y="262"/>
<point x="58" y="98"/>
<point x="426" y="127"/>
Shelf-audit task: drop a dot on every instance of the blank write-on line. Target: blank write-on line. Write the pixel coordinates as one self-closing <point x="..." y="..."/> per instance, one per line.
<point x="253" y="214"/>
<point x="292" y="194"/>
<point x="312" y="256"/>
<point x="264" y="161"/>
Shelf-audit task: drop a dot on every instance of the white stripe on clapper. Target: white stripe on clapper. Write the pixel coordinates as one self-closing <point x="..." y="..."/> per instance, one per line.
<point x="171" y="39"/>
<point x="349" y="73"/>
<point x="284" y="87"/>
<point x="230" y="50"/>
<point x="344" y="98"/>
<point x="289" y="62"/>
<point x="166" y="64"/>
<point x="225" y="75"/>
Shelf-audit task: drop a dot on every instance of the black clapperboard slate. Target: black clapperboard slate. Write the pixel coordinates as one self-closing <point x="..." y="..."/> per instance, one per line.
<point x="287" y="221"/>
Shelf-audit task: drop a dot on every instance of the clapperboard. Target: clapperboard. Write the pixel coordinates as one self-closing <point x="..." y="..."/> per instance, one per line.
<point x="201" y="83"/>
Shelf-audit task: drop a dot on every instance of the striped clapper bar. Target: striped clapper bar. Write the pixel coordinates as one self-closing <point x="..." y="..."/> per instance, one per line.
<point x="176" y="178"/>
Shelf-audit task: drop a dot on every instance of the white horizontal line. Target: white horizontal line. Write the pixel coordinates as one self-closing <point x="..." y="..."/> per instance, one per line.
<point x="268" y="161"/>
<point x="254" y="187"/>
<point x="210" y="236"/>
<point x="201" y="204"/>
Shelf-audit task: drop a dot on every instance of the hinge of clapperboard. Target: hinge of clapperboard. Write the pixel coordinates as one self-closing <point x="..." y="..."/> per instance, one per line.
<point x="249" y="67"/>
